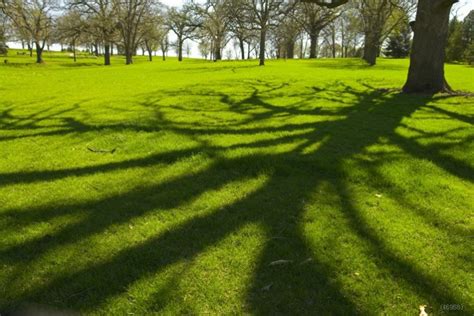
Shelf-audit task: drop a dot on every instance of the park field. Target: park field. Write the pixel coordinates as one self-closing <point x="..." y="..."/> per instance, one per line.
<point x="302" y="187"/>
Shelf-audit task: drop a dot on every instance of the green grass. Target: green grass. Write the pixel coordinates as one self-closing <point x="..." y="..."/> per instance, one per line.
<point x="221" y="169"/>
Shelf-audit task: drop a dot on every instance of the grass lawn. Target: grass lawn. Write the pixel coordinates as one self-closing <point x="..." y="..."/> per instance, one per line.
<point x="301" y="187"/>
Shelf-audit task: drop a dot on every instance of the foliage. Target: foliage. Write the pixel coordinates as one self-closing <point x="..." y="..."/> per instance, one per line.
<point x="456" y="46"/>
<point x="399" y="43"/>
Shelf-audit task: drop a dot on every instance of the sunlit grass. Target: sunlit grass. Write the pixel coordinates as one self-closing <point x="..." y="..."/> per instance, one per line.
<point x="220" y="169"/>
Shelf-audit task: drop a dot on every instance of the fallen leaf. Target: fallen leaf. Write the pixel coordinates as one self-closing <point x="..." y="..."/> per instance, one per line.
<point x="378" y="195"/>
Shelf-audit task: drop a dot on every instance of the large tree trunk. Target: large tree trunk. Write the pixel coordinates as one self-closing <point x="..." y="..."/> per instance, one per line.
<point x="426" y="73"/>
<point x="163" y="55"/>
<point x="106" y="54"/>
<point x="313" y="46"/>
<point x="261" y="54"/>
<point x="39" y="53"/>
<point x="371" y="47"/>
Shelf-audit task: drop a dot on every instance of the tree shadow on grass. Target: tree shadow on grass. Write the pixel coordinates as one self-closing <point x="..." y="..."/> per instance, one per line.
<point x="278" y="206"/>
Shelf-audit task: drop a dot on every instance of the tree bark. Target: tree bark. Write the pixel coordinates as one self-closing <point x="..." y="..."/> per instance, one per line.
<point x="313" y="46"/>
<point x="30" y="49"/>
<point x="242" y="49"/>
<point x="371" y="48"/>
<point x="39" y="53"/>
<point x="96" y="49"/>
<point x="290" y="49"/>
<point x="261" y="54"/>
<point x="107" y="54"/>
<point x="74" y="50"/>
<point x="150" y="55"/>
<point x="180" y="49"/>
<point x="426" y="72"/>
<point x="217" y="53"/>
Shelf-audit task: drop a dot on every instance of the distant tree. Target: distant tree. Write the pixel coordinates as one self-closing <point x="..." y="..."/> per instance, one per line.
<point x="187" y="47"/>
<point x="261" y="14"/>
<point x="204" y="48"/>
<point x="228" y="54"/>
<point x="399" y="43"/>
<point x="380" y="18"/>
<point x="239" y="24"/>
<point x="164" y="44"/>
<point x="469" y="54"/>
<point x="70" y="27"/>
<point x="313" y="18"/>
<point x="216" y="21"/>
<point x="33" y="19"/>
<point x="288" y="30"/>
<point x="152" y="31"/>
<point x="184" y="23"/>
<point x="468" y="28"/>
<point x="102" y="20"/>
<point x="131" y="14"/>
<point x="456" y="46"/>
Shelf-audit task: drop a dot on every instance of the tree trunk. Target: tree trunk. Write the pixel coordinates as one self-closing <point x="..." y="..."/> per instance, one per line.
<point x="217" y="53"/>
<point x="30" y="49"/>
<point x="313" y="46"/>
<point x="248" y="50"/>
<point x="74" y="50"/>
<point x="302" y="48"/>
<point x="107" y="54"/>
<point x="333" y="39"/>
<point x="150" y="55"/>
<point x="426" y="72"/>
<point x="261" y="54"/>
<point x="96" y="49"/>
<point x="128" y="54"/>
<point x="180" y="49"/>
<point x="164" y="57"/>
<point x="290" y="49"/>
<point x="128" y="58"/>
<point x="371" y="48"/>
<point x="242" y="49"/>
<point x="39" y="53"/>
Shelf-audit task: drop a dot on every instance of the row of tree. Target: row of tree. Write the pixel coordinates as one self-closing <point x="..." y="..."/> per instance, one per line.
<point x="348" y="28"/>
<point x="264" y="27"/>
